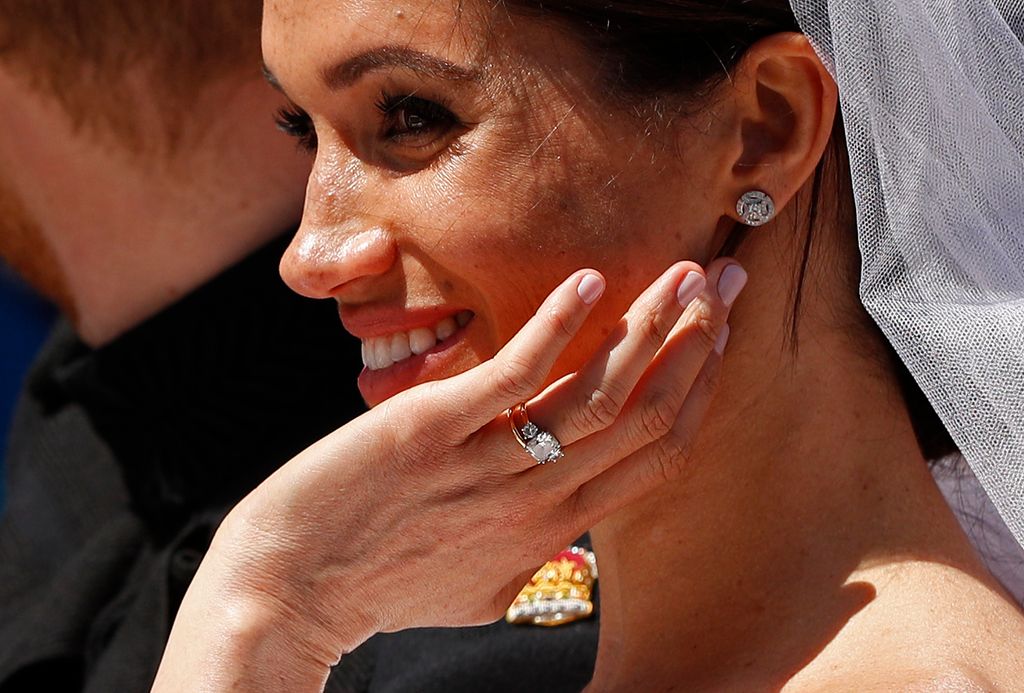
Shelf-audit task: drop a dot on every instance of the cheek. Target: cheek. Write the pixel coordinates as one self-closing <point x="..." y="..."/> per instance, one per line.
<point x="498" y="226"/>
<point x="516" y="229"/>
<point x="509" y="228"/>
<point x="583" y="206"/>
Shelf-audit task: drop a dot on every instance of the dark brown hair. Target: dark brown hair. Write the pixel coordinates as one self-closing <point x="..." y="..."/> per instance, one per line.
<point x="686" y="48"/>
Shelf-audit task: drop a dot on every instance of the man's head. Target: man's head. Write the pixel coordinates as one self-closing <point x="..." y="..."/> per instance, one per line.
<point x="138" y="156"/>
<point x="81" y="52"/>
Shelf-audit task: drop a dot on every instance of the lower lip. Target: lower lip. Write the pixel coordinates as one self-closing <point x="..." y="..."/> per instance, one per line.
<point x="379" y="385"/>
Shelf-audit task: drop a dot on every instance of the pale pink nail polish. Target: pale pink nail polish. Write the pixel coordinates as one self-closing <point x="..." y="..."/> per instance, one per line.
<point x="691" y="286"/>
<point x="590" y="288"/>
<point x="731" y="283"/>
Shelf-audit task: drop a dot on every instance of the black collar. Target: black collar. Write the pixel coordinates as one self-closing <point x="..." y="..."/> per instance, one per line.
<point x="206" y="399"/>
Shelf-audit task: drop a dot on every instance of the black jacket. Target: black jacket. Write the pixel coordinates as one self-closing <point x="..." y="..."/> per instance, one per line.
<point x="123" y="460"/>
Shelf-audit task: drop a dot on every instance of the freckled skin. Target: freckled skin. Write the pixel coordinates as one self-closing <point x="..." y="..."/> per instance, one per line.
<point x="549" y="175"/>
<point x="767" y="545"/>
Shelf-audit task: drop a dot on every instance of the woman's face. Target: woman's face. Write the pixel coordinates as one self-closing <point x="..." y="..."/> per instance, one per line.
<point x="467" y="161"/>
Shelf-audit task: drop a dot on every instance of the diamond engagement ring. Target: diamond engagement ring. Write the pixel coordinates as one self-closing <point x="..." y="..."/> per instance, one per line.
<point x="541" y="445"/>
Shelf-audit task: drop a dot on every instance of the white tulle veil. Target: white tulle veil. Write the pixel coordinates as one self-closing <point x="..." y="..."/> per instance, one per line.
<point x="932" y="97"/>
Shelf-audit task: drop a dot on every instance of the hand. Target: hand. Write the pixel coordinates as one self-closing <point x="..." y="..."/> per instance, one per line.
<point x="425" y="511"/>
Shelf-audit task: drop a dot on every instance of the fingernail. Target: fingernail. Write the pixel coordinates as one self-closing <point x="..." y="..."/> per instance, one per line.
<point x="691" y="286"/>
<point x="731" y="283"/>
<point x="723" y="339"/>
<point x="590" y="288"/>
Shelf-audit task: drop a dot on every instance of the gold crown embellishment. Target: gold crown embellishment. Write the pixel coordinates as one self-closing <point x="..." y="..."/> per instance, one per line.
<point x="559" y="592"/>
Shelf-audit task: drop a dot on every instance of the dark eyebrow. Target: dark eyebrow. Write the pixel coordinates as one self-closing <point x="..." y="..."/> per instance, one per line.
<point x="350" y="70"/>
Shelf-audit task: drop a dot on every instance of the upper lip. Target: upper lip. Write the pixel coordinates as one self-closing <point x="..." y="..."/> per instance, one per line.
<point x="377" y="321"/>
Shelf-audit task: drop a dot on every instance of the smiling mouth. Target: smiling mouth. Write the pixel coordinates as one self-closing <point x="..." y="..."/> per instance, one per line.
<point x="387" y="350"/>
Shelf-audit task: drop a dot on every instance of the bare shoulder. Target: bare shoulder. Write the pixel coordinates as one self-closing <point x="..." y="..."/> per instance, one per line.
<point x="931" y="628"/>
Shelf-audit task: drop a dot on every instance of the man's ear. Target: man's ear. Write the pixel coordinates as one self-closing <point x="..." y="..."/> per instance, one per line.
<point x="784" y="106"/>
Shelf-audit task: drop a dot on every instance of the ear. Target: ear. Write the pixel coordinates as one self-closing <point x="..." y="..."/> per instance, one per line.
<point x="784" y="103"/>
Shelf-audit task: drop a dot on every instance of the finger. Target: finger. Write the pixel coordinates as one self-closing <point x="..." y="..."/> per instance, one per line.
<point x="577" y="404"/>
<point x="592" y="399"/>
<point x="655" y="464"/>
<point x="658" y="399"/>
<point x="520" y="368"/>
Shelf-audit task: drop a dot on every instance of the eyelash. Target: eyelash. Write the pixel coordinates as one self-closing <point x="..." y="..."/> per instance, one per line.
<point x="436" y="117"/>
<point x="295" y="122"/>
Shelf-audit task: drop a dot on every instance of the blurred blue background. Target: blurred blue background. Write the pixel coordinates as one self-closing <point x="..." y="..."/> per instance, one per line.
<point x="24" y="322"/>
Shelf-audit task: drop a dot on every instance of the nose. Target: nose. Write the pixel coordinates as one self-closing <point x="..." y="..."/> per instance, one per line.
<point x="321" y="260"/>
<point x="336" y="244"/>
<point x="339" y="240"/>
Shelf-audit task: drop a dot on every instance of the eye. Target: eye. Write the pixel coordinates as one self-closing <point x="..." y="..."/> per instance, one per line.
<point x="413" y="121"/>
<point x="295" y="122"/>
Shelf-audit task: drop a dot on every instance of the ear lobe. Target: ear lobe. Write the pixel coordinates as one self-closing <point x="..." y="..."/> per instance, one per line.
<point x="786" y="103"/>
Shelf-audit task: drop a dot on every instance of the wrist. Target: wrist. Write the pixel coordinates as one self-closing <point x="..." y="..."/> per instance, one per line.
<point x="244" y="625"/>
<point x="279" y="600"/>
<point x="222" y="640"/>
<point x="288" y="632"/>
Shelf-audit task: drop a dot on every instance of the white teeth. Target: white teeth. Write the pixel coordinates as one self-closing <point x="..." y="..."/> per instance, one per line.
<point x="381" y="352"/>
<point x="445" y="329"/>
<point x="422" y="339"/>
<point x="400" y="347"/>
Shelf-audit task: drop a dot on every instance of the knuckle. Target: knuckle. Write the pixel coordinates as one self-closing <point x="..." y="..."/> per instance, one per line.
<point x="706" y="328"/>
<point x="432" y="395"/>
<point x="541" y="498"/>
<point x="411" y="439"/>
<point x="657" y="415"/>
<point x="668" y="457"/>
<point x="562" y="321"/>
<point x="602" y="407"/>
<point x="514" y="379"/>
<point x="707" y="381"/>
<point x="656" y="327"/>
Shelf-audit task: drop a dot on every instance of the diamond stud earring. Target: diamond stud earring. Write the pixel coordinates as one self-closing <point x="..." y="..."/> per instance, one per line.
<point x="755" y="208"/>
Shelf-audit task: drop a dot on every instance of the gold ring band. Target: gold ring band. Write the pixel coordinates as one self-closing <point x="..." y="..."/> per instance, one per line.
<point x="541" y="444"/>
